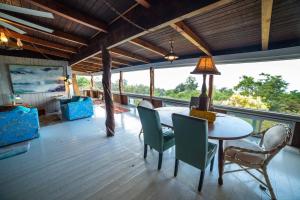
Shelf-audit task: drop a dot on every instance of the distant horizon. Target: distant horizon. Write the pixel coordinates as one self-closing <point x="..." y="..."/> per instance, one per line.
<point x="169" y="78"/>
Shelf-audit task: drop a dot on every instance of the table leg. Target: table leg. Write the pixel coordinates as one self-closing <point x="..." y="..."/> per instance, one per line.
<point x="221" y="163"/>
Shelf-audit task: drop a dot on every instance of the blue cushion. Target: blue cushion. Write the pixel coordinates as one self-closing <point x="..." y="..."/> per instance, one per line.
<point x="23" y="109"/>
<point x="81" y="99"/>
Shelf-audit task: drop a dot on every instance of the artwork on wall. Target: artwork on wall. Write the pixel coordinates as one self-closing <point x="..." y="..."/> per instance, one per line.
<point x="36" y="79"/>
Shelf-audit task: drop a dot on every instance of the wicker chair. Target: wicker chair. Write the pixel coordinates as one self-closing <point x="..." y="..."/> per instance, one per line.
<point x="146" y="104"/>
<point x="251" y="156"/>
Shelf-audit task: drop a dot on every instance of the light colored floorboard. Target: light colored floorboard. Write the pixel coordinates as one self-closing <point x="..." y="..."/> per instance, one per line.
<point x="75" y="160"/>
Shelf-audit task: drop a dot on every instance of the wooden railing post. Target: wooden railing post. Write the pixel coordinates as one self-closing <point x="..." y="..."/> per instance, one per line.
<point x="210" y="90"/>
<point x="75" y="85"/>
<point x="106" y="82"/>
<point x="121" y="83"/>
<point x="151" y="82"/>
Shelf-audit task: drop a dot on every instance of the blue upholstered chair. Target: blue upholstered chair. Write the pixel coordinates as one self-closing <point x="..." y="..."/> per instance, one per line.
<point x="18" y="125"/>
<point x="192" y="146"/>
<point x="154" y="136"/>
<point x="77" y="108"/>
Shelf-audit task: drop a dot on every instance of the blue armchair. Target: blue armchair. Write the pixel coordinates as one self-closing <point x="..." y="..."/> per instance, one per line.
<point x="18" y="125"/>
<point x="77" y="108"/>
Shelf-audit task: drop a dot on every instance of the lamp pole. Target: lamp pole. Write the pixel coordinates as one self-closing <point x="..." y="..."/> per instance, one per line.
<point x="203" y="98"/>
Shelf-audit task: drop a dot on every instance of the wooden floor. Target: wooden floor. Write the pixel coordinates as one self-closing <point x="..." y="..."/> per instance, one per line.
<point x="75" y="160"/>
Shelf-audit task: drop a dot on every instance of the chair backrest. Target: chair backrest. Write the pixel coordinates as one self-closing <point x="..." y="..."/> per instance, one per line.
<point x="146" y="104"/>
<point x="194" y="102"/>
<point x="151" y="127"/>
<point x="276" y="138"/>
<point x="191" y="140"/>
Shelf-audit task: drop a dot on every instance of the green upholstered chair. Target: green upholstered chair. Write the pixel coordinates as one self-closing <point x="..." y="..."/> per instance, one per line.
<point x="146" y="104"/>
<point x="192" y="146"/>
<point x="154" y="136"/>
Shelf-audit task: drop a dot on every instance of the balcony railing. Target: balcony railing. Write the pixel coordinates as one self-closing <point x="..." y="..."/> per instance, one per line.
<point x="259" y="119"/>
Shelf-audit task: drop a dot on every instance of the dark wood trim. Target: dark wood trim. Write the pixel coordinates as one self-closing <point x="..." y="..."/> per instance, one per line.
<point x="70" y="14"/>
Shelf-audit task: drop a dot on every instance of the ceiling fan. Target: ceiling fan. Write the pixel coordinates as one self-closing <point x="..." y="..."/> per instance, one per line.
<point x="7" y="21"/>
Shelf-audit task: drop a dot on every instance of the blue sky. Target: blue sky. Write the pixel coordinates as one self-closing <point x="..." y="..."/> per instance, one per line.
<point x="230" y="74"/>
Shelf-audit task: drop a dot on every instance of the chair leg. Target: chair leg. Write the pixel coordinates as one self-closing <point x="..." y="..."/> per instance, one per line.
<point x="273" y="196"/>
<point x="141" y="131"/>
<point x="145" y="151"/>
<point x="160" y="161"/>
<point x="212" y="164"/>
<point x="201" y="180"/>
<point x="176" y="167"/>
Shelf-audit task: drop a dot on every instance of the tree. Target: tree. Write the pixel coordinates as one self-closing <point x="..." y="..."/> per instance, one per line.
<point x="189" y="84"/>
<point x="83" y="82"/>
<point x="222" y="94"/>
<point x="270" y="88"/>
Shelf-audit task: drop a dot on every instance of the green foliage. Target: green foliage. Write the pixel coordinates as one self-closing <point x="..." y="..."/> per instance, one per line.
<point x="241" y="101"/>
<point x="189" y="84"/>
<point x="267" y="93"/>
<point x="83" y="82"/>
<point x="272" y="90"/>
<point x="222" y="94"/>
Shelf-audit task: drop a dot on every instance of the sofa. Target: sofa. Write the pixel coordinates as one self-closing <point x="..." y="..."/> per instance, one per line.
<point x="76" y="108"/>
<point x="18" y="124"/>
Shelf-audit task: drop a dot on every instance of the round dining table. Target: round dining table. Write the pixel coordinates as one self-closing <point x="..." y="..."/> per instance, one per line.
<point x="225" y="127"/>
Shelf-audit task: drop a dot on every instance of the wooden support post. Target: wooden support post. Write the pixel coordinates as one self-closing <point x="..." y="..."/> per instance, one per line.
<point x="106" y="82"/>
<point x="151" y="82"/>
<point x="121" y="83"/>
<point x="210" y="90"/>
<point x="296" y="135"/>
<point x="75" y="85"/>
<point x="92" y="86"/>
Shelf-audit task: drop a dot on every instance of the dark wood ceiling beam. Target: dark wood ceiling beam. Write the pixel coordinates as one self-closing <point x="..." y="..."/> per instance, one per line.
<point x="130" y="55"/>
<point x="57" y="34"/>
<point x="161" y="14"/>
<point x="191" y="36"/>
<point x="266" y="14"/>
<point x="114" y="60"/>
<point x="46" y="51"/>
<point x="40" y="42"/>
<point x="149" y="46"/>
<point x="91" y="64"/>
<point x="144" y="3"/>
<point x="84" y="69"/>
<point x="70" y="14"/>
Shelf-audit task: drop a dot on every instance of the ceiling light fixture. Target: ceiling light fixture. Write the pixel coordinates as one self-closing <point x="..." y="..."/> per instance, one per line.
<point x="171" y="56"/>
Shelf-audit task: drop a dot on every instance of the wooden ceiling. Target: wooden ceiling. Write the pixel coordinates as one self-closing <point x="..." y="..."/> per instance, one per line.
<point x="139" y="31"/>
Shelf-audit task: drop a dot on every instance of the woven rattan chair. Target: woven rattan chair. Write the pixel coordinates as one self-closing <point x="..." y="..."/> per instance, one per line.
<point x="146" y="104"/>
<point x="251" y="156"/>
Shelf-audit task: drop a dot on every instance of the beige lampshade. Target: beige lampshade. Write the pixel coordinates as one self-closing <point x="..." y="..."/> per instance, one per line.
<point x="206" y="65"/>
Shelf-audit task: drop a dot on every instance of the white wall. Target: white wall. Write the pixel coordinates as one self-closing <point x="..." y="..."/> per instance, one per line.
<point x="42" y="100"/>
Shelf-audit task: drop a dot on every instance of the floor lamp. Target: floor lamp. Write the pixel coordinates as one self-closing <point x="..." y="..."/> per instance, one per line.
<point x="205" y="66"/>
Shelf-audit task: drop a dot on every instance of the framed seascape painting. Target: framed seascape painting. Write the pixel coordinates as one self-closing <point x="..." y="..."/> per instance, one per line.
<point x="36" y="79"/>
